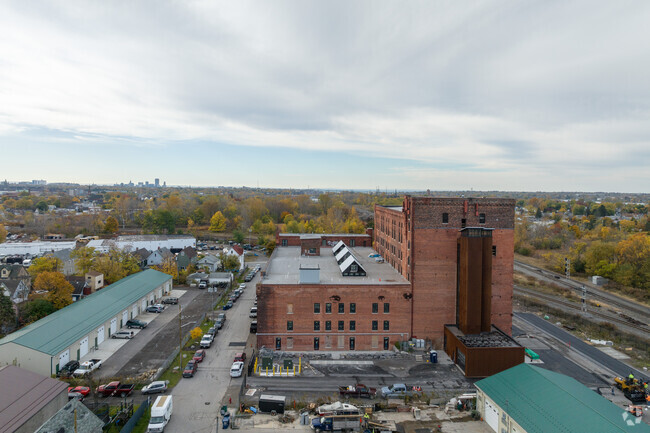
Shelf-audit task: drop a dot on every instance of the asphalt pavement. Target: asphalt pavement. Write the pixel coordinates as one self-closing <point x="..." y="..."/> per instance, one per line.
<point x="596" y="355"/>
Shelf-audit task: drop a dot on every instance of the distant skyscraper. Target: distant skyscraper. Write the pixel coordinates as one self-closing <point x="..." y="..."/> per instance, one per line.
<point x="157" y="181"/>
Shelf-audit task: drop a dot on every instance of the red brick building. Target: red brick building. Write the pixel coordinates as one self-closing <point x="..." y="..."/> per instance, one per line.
<point x="420" y="239"/>
<point x="314" y="296"/>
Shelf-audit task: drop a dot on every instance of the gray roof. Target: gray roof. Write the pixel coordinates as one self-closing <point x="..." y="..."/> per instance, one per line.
<point x="284" y="268"/>
<point x="24" y="394"/>
<point x="324" y="235"/>
<point x="59" y="330"/>
<point x="64" y="420"/>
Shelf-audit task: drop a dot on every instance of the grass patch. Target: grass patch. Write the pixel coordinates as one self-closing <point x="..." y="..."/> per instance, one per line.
<point x="173" y="374"/>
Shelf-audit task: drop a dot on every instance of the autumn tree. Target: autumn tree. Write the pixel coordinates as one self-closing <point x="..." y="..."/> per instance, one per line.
<point x="59" y="290"/>
<point x="83" y="258"/>
<point x="111" y="225"/>
<point x="196" y="333"/>
<point x="7" y="314"/>
<point x="169" y="267"/>
<point x="217" y="222"/>
<point x="115" y="265"/>
<point x="44" y="264"/>
<point x="3" y="233"/>
<point x="229" y="262"/>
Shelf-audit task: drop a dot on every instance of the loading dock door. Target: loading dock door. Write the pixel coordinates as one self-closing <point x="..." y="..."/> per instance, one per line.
<point x="63" y="358"/>
<point x="100" y="335"/>
<point x="491" y="416"/>
<point x="143" y="306"/>
<point x="134" y="311"/>
<point x="125" y="317"/>
<point x="113" y="325"/>
<point x="83" y="347"/>
<point x="160" y="293"/>
<point x="151" y="298"/>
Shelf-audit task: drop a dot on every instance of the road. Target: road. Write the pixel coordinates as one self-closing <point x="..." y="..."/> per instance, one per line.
<point x="618" y="367"/>
<point x="197" y="400"/>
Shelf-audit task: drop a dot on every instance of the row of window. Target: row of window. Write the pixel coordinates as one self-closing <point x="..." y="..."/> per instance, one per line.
<point x="328" y="343"/>
<point x="353" y="308"/>
<point x="445" y="219"/>
<point x="341" y="325"/>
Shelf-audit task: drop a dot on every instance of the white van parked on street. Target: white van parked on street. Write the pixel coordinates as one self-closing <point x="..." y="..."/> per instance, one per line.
<point x="253" y="312"/>
<point x="161" y="412"/>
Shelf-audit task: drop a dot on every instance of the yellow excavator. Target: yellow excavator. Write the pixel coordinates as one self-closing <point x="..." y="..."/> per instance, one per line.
<point x="632" y="388"/>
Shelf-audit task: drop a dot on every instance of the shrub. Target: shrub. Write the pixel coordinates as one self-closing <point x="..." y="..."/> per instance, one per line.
<point x="196" y="333"/>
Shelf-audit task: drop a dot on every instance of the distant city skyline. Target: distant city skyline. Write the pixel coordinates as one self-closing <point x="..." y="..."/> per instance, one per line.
<point x="492" y="95"/>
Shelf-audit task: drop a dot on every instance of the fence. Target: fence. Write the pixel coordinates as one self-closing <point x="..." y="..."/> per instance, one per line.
<point x="130" y="424"/>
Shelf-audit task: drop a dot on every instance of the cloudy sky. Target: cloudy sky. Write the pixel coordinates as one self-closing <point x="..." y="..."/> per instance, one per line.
<point x="445" y="95"/>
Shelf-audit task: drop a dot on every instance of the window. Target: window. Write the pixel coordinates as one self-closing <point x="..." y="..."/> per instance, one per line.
<point x="463" y="223"/>
<point x="341" y="308"/>
<point x="351" y="343"/>
<point x="289" y="308"/>
<point x="386" y="307"/>
<point x="316" y="343"/>
<point x="354" y="268"/>
<point x="375" y="325"/>
<point x="289" y="342"/>
<point x="316" y="308"/>
<point x="341" y="342"/>
<point x="481" y="218"/>
<point x="375" y="308"/>
<point x="324" y="242"/>
<point x="312" y="251"/>
<point x="278" y="343"/>
<point x="316" y="325"/>
<point x="352" y="243"/>
<point x="353" y="325"/>
<point x="284" y="242"/>
<point x="445" y="218"/>
<point x="494" y="250"/>
<point x="353" y="308"/>
<point x="289" y="325"/>
<point x="341" y="325"/>
<point x="328" y="308"/>
<point x="374" y="341"/>
<point x="386" y="343"/>
<point x="386" y="325"/>
<point x="328" y="325"/>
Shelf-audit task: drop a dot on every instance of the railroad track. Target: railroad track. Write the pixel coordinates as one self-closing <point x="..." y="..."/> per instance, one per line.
<point x="593" y="293"/>
<point x="552" y="299"/>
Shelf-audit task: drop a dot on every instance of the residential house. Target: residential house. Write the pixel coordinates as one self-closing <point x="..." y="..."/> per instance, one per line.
<point x="73" y="417"/>
<point x="159" y="256"/>
<point x="68" y="263"/>
<point x="95" y="280"/>
<point x="186" y="257"/>
<point x="80" y="287"/>
<point x="209" y="263"/>
<point x="142" y="255"/>
<point x="195" y="278"/>
<point x="237" y="251"/>
<point x="15" y="282"/>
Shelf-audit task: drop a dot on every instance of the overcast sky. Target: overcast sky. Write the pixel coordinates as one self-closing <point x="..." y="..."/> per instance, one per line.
<point x="506" y="95"/>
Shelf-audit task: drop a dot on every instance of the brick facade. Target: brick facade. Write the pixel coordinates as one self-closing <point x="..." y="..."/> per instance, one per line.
<point x="279" y="304"/>
<point x="420" y="240"/>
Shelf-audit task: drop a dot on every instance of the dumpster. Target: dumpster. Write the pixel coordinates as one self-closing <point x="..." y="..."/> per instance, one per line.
<point x="433" y="357"/>
<point x="224" y="410"/>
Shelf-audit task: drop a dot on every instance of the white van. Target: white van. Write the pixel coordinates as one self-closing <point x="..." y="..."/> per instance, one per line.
<point x="161" y="412"/>
<point x="253" y="312"/>
<point x="27" y="263"/>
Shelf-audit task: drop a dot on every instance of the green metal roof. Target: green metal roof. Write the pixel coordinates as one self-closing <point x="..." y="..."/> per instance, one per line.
<point x="542" y="401"/>
<point x="59" y="330"/>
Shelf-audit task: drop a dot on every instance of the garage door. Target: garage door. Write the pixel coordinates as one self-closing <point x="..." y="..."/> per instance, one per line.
<point x="134" y="311"/>
<point x="143" y="305"/>
<point x="491" y="416"/>
<point x="63" y="358"/>
<point x="100" y="335"/>
<point x="113" y="326"/>
<point x="151" y="299"/>
<point x="125" y="317"/>
<point x="83" y="347"/>
<point x="160" y="293"/>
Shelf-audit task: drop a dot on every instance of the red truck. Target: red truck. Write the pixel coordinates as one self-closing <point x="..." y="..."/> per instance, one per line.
<point x="115" y="388"/>
<point x="359" y="390"/>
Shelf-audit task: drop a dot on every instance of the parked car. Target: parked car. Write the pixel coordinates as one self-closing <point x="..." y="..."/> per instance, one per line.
<point x="253" y="312"/>
<point x="172" y="301"/>
<point x="236" y="369"/>
<point x="213" y="331"/>
<point x="190" y="369"/>
<point x="115" y="388"/>
<point x="241" y="357"/>
<point x="218" y="323"/>
<point x="203" y="284"/>
<point x="160" y="306"/>
<point x="222" y="316"/>
<point x="206" y="341"/>
<point x="75" y="395"/>
<point x="358" y="390"/>
<point x="123" y="334"/>
<point x="242" y="286"/>
<point x="154" y="309"/>
<point x="228" y="305"/>
<point x="68" y="369"/>
<point x="135" y="323"/>
<point x="254" y="327"/>
<point x="199" y="355"/>
<point x="154" y="387"/>
<point x="85" y="368"/>
<point x="83" y="390"/>
<point x="248" y="278"/>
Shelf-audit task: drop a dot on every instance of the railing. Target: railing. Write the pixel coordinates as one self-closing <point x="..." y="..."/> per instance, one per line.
<point x="130" y="424"/>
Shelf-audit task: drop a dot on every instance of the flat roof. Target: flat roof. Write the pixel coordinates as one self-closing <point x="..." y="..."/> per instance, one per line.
<point x="24" y="394"/>
<point x="494" y="338"/>
<point x="56" y="332"/>
<point x="324" y="235"/>
<point x="285" y="263"/>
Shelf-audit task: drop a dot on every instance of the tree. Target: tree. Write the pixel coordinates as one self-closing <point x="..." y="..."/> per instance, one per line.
<point x="83" y="258"/>
<point x="59" y="290"/>
<point x="169" y="267"/>
<point x="238" y="236"/>
<point x="31" y="311"/>
<point x="229" y="262"/>
<point x="115" y="265"/>
<point x="7" y="314"/>
<point x="3" y="233"/>
<point x="45" y="264"/>
<point x="196" y="333"/>
<point x="217" y="222"/>
<point x="111" y="225"/>
<point x="42" y="206"/>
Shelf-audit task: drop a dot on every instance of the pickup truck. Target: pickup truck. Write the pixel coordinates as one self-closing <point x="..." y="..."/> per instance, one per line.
<point x="87" y="367"/>
<point x="115" y="388"/>
<point x="397" y="390"/>
<point x="359" y="390"/>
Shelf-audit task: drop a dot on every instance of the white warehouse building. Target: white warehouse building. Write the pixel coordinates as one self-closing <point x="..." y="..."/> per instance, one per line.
<point x="69" y="333"/>
<point x="148" y="242"/>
